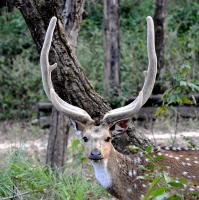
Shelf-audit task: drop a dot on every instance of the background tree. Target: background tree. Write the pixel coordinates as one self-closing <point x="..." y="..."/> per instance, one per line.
<point x="111" y="48"/>
<point x="159" y="22"/>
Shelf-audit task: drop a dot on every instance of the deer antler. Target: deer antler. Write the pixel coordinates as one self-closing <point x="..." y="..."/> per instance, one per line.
<point x="113" y="115"/>
<point x="127" y="111"/>
<point x="46" y="69"/>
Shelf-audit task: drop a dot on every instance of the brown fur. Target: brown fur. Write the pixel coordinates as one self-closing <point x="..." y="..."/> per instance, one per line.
<point x="125" y="171"/>
<point x="123" y="184"/>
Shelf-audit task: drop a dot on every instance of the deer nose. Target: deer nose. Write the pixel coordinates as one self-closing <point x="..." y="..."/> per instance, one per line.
<point x="95" y="152"/>
<point x="95" y="155"/>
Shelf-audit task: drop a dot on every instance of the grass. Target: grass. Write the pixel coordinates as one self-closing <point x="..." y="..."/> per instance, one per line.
<point x="25" y="177"/>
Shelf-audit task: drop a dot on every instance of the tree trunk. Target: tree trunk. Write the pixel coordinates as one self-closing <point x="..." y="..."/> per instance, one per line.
<point x="111" y="48"/>
<point x="58" y="136"/>
<point x="159" y="21"/>
<point x="68" y="79"/>
<point x="57" y="140"/>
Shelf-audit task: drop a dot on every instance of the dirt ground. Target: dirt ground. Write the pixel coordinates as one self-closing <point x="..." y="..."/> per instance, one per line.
<point x="33" y="139"/>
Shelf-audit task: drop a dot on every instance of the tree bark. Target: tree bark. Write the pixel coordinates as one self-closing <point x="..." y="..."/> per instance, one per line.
<point x="57" y="140"/>
<point x="159" y="22"/>
<point x="58" y="136"/>
<point x="68" y="79"/>
<point x="111" y="48"/>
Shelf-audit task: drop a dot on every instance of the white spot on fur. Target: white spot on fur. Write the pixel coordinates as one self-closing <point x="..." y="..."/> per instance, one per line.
<point x="141" y="154"/>
<point x="184" y="173"/>
<point x="191" y="189"/>
<point x="183" y="163"/>
<point x="144" y="186"/>
<point x="135" y="186"/>
<point x="130" y="173"/>
<point x="195" y="161"/>
<point x="129" y="190"/>
<point x="177" y="158"/>
<point x="134" y="173"/>
<point x="188" y="164"/>
<point x="101" y="173"/>
<point x="181" y="156"/>
<point x="137" y="160"/>
<point x="187" y="158"/>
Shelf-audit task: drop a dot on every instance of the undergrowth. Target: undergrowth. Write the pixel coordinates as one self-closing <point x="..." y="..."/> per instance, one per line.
<point x="22" y="177"/>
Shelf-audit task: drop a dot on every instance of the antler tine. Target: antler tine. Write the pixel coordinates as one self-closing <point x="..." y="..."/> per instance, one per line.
<point x="46" y="69"/>
<point x="127" y="111"/>
<point x="44" y="61"/>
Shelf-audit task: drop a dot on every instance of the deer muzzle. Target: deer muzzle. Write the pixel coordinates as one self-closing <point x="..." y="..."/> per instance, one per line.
<point x="95" y="155"/>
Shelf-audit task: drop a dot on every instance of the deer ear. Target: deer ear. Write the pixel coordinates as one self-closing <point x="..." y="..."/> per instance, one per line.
<point x="119" y="127"/>
<point x="123" y="124"/>
<point x="78" y="128"/>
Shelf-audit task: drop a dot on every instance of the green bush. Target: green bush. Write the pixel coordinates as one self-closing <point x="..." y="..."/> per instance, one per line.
<point x="20" y="79"/>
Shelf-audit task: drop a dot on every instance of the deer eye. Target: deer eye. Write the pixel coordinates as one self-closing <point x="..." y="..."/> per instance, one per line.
<point x="108" y="139"/>
<point x="85" y="139"/>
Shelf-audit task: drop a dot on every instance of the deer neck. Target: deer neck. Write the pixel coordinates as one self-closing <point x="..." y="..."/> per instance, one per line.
<point x="106" y="169"/>
<point x="113" y="172"/>
<point x="102" y="173"/>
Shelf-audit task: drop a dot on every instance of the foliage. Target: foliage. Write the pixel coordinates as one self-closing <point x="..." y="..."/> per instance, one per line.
<point x="77" y="149"/>
<point x="182" y="90"/>
<point x="20" y="80"/>
<point x="38" y="182"/>
<point x="18" y="51"/>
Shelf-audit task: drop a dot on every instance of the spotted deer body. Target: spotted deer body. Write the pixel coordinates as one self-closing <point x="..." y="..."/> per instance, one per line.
<point x="122" y="175"/>
<point x="125" y="172"/>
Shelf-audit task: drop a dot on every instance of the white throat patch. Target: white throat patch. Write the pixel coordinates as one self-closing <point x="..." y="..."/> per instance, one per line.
<point x="101" y="173"/>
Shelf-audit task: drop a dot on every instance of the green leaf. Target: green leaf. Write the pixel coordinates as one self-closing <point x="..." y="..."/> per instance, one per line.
<point x="174" y="197"/>
<point x="133" y="148"/>
<point x="158" y="158"/>
<point x="149" y="149"/>
<point x="176" y="184"/>
<point x="153" y="185"/>
<point x="159" y="191"/>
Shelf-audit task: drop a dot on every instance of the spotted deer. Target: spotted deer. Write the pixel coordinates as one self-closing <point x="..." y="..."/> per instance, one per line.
<point x="118" y="173"/>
